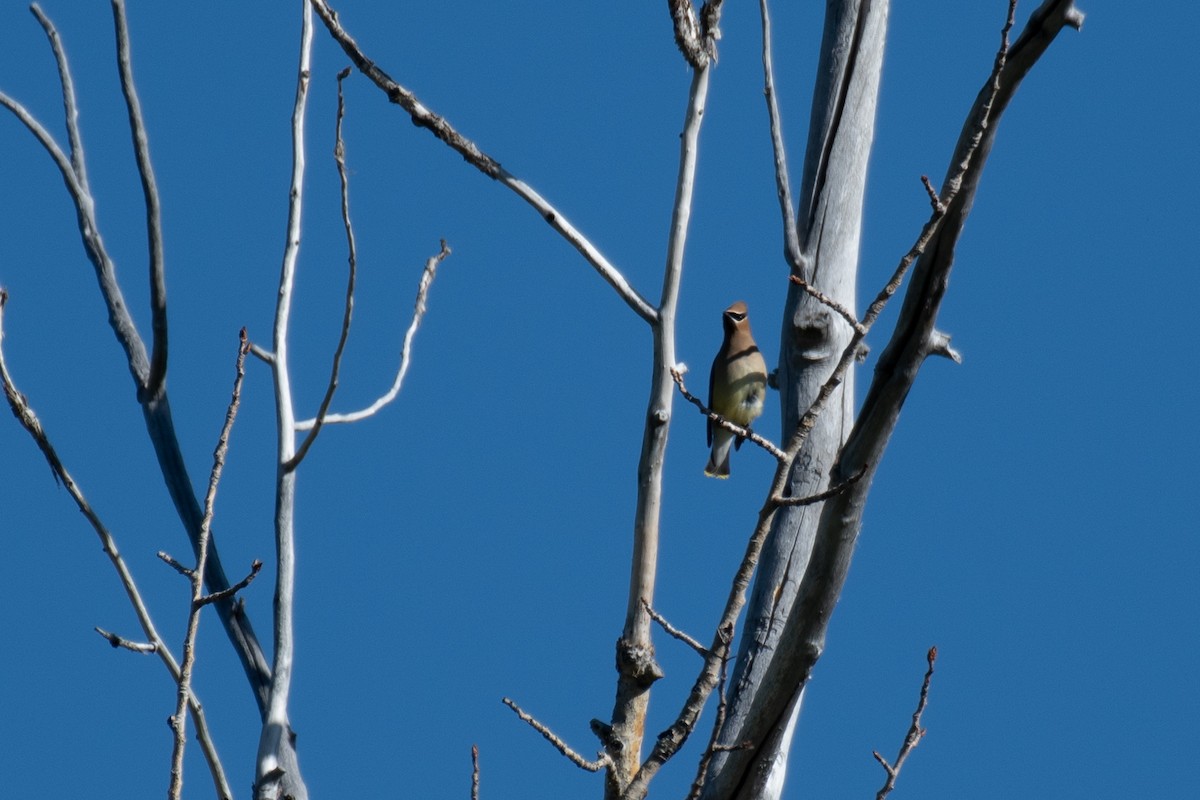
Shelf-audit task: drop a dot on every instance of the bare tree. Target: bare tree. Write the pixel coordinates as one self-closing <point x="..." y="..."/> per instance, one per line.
<point x="799" y="550"/>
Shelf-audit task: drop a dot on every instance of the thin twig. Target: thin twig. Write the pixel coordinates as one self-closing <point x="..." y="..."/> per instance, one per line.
<point x="179" y="721"/>
<point x="263" y="355"/>
<point x="783" y="189"/>
<point x="28" y="419"/>
<point x="935" y="202"/>
<point x="339" y="156"/>
<point x="70" y="109"/>
<point x="600" y="763"/>
<point x="717" y="419"/>
<point x="419" y="307"/>
<point x="718" y="721"/>
<point x="174" y="564"/>
<point x="939" y="345"/>
<point x="135" y="647"/>
<point x="671" y="740"/>
<point x="255" y="567"/>
<point x="441" y="128"/>
<point x="673" y="631"/>
<point x="141" y="149"/>
<point x="820" y="497"/>
<point x="912" y="738"/>
<point x="825" y="299"/>
<point x="474" y="772"/>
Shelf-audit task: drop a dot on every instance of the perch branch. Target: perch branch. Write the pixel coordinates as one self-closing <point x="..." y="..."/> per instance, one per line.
<point x="717" y="419"/>
<point x="174" y="564"/>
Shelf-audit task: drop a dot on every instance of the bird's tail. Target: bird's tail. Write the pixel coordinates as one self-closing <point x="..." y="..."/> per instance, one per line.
<point x="718" y="460"/>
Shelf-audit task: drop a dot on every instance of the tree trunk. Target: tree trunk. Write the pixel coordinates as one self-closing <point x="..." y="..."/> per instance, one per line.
<point x="761" y="707"/>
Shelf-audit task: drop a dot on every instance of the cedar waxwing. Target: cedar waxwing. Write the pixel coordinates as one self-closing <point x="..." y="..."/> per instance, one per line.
<point x="736" y="387"/>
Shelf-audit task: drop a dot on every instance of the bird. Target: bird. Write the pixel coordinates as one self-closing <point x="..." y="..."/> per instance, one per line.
<point x="737" y="386"/>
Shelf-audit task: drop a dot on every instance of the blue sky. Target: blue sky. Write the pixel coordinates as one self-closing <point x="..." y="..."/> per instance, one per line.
<point x="1034" y="516"/>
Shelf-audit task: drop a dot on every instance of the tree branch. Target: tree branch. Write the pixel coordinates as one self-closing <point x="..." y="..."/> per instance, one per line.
<point x="637" y="669"/>
<point x="912" y="738"/>
<point x="424" y="118"/>
<point x="718" y="721"/>
<point x="276" y="768"/>
<point x="144" y="648"/>
<point x="826" y="300"/>
<point x="717" y="419"/>
<point x="673" y="738"/>
<point x="575" y="758"/>
<point x="70" y="110"/>
<point x="474" y="772"/>
<point x="674" y="632"/>
<point x="224" y="594"/>
<point x="156" y="407"/>
<point x="427" y="276"/>
<point x="178" y="721"/>
<point x="141" y="149"/>
<point x="802" y="627"/>
<point x="339" y="156"/>
<point x="29" y="421"/>
<point x="787" y="208"/>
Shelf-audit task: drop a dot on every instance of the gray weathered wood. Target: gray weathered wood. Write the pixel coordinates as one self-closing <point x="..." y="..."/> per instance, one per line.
<point x="805" y="563"/>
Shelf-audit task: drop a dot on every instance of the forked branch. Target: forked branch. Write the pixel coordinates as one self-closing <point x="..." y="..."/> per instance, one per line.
<point x="339" y="157"/>
<point x="419" y="308"/>
<point x="178" y="721"/>
<point x="29" y="421"/>
<point x="146" y="376"/>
